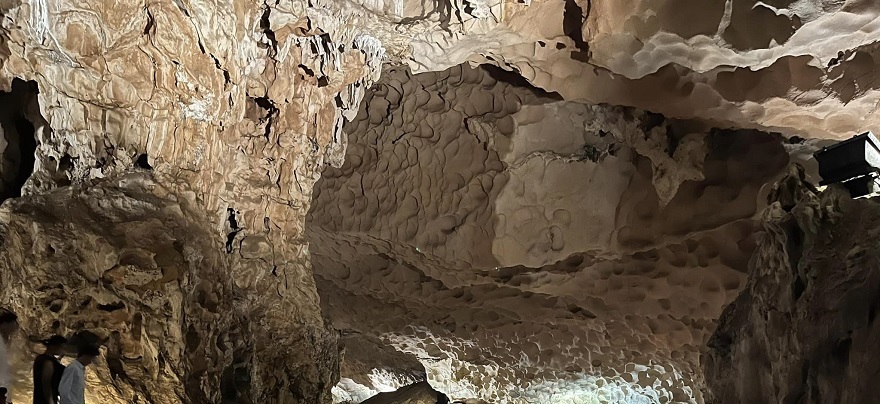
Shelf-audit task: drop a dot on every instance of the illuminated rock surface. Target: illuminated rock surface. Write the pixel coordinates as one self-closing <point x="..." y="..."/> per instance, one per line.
<point x="307" y="201"/>
<point x="420" y="393"/>
<point x="521" y="268"/>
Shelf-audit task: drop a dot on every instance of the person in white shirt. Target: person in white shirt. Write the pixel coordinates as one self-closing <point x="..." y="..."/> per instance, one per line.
<point x="8" y="328"/>
<point x="73" y="382"/>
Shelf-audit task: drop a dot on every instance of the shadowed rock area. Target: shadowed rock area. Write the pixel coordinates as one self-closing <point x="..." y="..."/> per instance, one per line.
<point x="803" y="331"/>
<point x="419" y="393"/>
<point x="503" y="229"/>
<point x="114" y="259"/>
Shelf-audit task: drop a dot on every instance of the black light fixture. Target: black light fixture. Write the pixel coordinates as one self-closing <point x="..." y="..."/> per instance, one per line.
<point x="854" y="163"/>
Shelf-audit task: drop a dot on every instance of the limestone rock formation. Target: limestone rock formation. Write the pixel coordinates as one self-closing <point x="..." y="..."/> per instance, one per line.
<point x="370" y="367"/>
<point x="232" y="109"/>
<point x="419" y="393"/>
<point x="803" y="331"/>
<point x="520" y="246"/>
<point x="136" y="266"/>
<point x="519" y="200"/>
<point x="803" y="67"/>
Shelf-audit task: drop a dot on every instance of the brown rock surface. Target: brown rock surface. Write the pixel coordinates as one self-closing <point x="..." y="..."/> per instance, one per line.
<point x="370" y="366"/>
<point x="232" y="108"/>
<point x="803" y="330"/>
<point x="520" y="231"/>
<point x="137" y="267"/>
<point x="802" y="67"/>
<point x="519" y="245"/>
<point x="419" y="393"/>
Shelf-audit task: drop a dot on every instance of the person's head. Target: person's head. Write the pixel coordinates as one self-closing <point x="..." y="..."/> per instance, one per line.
<point x="3" y="392"/>
<point x="8" y="324"/>
<point x="55" y="344"/>
<point x="87" y="354"/>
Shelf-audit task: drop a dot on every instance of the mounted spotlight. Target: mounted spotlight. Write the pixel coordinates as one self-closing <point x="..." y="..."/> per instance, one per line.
<point x="854" y="162"/>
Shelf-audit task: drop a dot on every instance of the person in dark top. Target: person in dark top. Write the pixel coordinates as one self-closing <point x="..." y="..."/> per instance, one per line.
<point x="48" y="370"/>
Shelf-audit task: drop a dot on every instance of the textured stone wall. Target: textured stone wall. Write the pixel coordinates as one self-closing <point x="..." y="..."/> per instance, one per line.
<point x="528" y="249"/>
<point x="231" y="107"/>
<point x="526" y="229"/>
<point x="803" y="330"/>
<point x="129" y="265"/>
<point x="800" y="67"/>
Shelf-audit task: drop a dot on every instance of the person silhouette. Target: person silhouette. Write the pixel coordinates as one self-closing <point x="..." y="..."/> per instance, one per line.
<point x="72" y="388"/>
<point x="8" y="328"/>
<point x="48" y="371"/>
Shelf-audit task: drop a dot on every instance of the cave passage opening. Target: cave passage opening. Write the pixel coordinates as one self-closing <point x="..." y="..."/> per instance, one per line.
<point x="19" y="121"/>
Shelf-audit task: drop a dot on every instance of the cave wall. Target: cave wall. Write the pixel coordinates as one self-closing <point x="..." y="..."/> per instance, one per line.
<point x="231" y="109"/>
<point x="527" y="248"/>
<point x="532" y="201"/>
<point x="143" y="272"/>
<point x="803" y="330"/>
<point x="369" y="366"/>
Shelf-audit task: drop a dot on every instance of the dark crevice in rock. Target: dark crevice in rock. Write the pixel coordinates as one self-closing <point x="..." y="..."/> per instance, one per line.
<point x="650" y="121"/>
<point x="143" y="161"/>
<point x="673" y="140"/>
<point x="798" y="288"/>
<point x="233" y="225"/>
<point x="181" y="7"/>
<point x="226" y="78"/>
<point x="56" y="306"/>
<point x="19" y="119"/>
<point x="307" y="70"/>
<point x="112" y="306"/>
<point x="271" y="111"/>
<point x="151" y="22"/>
<point x="117" y="369"/>
<point x="65" y="164"/>
<point x="572" y="21"/>
<point x="841" y="351"/>
<point x="27" y="148"/>
<point x="235" y="381"/>
<point x="266" y="26"/>
<point x="517" y="80"/>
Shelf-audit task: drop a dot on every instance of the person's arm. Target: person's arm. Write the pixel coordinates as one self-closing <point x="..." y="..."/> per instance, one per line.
<point x="65" y="385"/>
<point x="81" y="386"/>
<point x="48" y="369"/>
<point x="5" y="380"/>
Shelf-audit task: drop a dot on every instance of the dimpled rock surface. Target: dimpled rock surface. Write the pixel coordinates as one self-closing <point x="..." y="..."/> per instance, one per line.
<point x="420" y="393"/>
<point x="232" y="107"/>
<point x="795" y="65"/>
<point x="521" y="246"/>
<point x="501" y="212"/>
